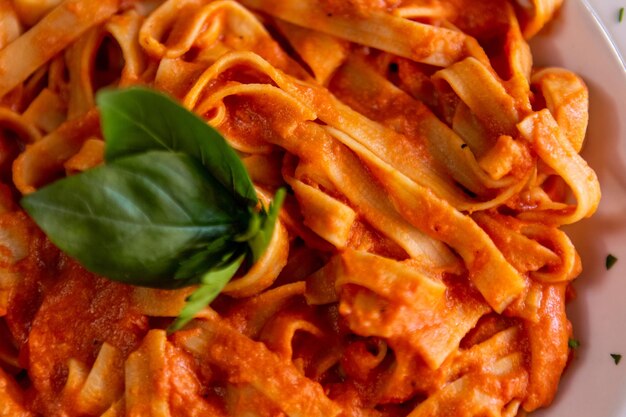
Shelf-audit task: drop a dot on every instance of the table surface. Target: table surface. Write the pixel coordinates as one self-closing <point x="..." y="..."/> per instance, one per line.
<point x="608" y="12"/>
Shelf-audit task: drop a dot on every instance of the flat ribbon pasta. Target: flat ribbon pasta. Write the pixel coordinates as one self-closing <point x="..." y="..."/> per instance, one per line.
<point x="417" y="267"/>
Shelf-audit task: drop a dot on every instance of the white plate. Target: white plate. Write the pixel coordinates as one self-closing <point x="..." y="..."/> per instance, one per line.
<point x="594" y="386"/>
<point x="608" y="12"/>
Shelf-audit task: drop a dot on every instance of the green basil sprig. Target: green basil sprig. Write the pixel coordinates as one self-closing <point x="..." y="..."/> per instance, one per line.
<point x="173" y="206"/>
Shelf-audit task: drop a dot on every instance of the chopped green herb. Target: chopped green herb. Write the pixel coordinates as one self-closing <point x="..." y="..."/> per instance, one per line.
<point x="573" y="343"/>
<point x="616" y="357"/>
<point x="620" y="15"/>
<point x="610" y="261"/>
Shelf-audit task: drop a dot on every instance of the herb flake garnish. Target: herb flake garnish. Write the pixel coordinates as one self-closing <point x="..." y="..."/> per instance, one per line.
<point x="173" y="205"/>
<point x="616" y="358"/>
<point x="610" y="261"/>
<point x="620" y="15"/>
<point x="573" y="343"/>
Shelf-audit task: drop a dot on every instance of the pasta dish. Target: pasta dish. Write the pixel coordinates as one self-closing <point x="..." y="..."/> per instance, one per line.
<point x="416" y="267"/>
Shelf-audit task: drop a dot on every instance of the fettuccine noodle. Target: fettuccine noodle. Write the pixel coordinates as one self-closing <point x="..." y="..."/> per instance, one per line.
<point x="417" y="267"/>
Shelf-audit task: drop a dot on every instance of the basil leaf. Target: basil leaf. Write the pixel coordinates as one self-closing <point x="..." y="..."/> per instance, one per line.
<point x="173" y="206"/>
<point x="204" y="259"/>
<point x="212" y="283"/>
<point x="261" y="240"/>
<point x="137" y="120"/>
<point x="134" y="219"/>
